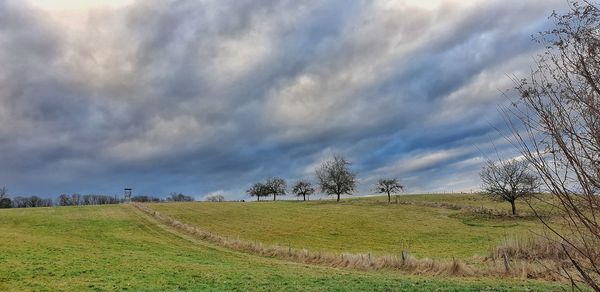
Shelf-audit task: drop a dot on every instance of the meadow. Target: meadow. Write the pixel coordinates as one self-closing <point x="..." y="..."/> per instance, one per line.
<point x="361" y="225"/>
<point x="118" y="247"/>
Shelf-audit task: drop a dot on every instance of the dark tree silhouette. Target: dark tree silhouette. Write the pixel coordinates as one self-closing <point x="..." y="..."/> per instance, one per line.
<point x="303" y="189"/>
<point x="3" y="192"/>
<point x="389" y="186"/>
<point x="335" y="177"/>
<point x="5" y="201"/>
<point x="258" y="190"/>
<point x="276" y="187"/>
<point x="508" y="181"/>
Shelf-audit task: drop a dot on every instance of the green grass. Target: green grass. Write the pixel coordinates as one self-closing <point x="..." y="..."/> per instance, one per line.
<point x="356" y="225"/>
<point x="118" y="248"/>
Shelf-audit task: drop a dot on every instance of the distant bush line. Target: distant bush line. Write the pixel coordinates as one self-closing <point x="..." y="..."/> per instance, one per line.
<point x="81" y="200"/>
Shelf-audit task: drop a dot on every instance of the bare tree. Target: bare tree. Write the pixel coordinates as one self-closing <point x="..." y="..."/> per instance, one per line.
<point x="5" y="201"/>
<point x="335" y="177"/>
<point x="64" y="200"/>
<point x="508" y="180"/>
<point x="559" y="132"/>
<point x="179" y="197"/>
<point x="276" y="186"/>
<point x="389" y="186"/>
<point x="76" y="199"/>
<point x="258" y="190"/>
<point x="3" y="192"/>
<point x="215" y="198"/>
<point x="303" y="188"/>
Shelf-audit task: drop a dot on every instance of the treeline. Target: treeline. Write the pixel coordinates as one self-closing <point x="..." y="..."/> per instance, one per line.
<point x="80" y="200"/>
<point x="30" y="202"/>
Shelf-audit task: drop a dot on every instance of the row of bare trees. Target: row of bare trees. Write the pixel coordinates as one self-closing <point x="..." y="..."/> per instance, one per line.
<point x="78" y="200"/>
<point x="334" y="178"/>
<point x="22" y="201"/>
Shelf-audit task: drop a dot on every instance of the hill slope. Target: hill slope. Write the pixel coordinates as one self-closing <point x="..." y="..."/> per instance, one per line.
<point x="118" y="247"/>
<point x="358" y="225"/>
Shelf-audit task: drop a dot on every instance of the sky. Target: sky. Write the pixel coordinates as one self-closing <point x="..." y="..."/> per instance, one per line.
<point x="207" y="97"/>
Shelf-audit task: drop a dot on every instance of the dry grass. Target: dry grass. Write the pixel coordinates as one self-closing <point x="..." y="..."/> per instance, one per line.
<point x="530" y="248"/>
<point x="509" y="260"/>
<point x="536" y="256"/>
<point x="465" y="208"/>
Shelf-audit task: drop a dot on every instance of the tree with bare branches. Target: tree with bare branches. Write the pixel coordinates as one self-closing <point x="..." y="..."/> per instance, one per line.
<point x="5" y="201"/>
<point x="258" y="190"/>
<point x="558" y="131"/>
<point x="389" y="186"/>
<point x="215" y="198"/>
<point x="303" y="189"/>
<point x="508" y="180"/>
<point x="3" y="192"/>
<point x="335" y="177"/>
<point x="276" y="187"/>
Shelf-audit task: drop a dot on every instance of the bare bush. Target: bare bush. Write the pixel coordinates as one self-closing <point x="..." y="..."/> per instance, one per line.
<point x="215" y="198"/>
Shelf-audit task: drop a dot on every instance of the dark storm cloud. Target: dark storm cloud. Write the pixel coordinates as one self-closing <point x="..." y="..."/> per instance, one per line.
<point x="203" y="96"/>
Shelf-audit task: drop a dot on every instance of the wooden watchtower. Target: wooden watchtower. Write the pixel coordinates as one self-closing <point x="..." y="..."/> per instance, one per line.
<point x="127" y="194"/>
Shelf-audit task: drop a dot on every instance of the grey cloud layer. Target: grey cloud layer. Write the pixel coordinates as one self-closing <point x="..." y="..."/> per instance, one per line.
<point x="204" y="96"/>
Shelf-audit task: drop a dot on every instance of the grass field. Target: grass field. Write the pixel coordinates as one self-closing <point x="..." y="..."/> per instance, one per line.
<point x="118" y="247"/>
<point x="359" y="225"/>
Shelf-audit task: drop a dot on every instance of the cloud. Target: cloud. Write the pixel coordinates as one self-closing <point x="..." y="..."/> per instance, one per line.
<point x="207" y="96"/>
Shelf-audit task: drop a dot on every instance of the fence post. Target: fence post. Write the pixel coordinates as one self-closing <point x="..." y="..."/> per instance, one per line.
<point x="404" y="257"/>
<point x="506" y="264"/>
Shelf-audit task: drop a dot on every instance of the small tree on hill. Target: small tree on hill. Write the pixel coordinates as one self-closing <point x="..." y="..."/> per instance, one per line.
<point x="5" y="201"/>
<point x="389" y="186"/>
<point x="3" y="192"/>
<point x="303" y="189"/>
<point x="258" y="190"/>
<point x="335" y="177"/>
<point x="276" y="187"/>
<point x="508" y="180"/>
